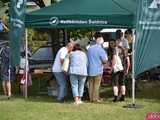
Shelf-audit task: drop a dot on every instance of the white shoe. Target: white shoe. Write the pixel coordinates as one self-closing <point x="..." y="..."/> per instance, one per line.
<point x="80" y="102"/>
<point x="76" y="103"/>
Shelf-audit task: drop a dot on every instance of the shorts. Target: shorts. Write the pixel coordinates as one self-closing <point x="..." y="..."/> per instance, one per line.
<point x="118" y="78"/>
<point x="5" y="75"/>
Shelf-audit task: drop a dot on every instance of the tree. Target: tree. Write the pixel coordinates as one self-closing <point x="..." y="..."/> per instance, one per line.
<point x="3" y="4"/>
<point x="4" y="1"/>
<point x="40" y="3"/>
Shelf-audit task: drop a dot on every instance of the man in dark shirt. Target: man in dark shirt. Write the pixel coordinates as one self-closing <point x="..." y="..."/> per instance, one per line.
<point x="6" y="71"/>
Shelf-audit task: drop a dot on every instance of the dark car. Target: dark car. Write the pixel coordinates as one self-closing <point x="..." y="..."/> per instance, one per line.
<point x="42" y="59"/>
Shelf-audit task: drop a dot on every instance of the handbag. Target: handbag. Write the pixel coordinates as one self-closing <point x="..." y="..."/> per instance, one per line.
<point x="118" y="66"/>
<point x="23" y="79"/>
<point x="65" y="65"/>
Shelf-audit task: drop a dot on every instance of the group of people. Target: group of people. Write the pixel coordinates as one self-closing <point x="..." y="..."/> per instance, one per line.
<point x="84" y="65"/>
<point x="6" y="71"/>
<point x="9" y="73"/>
<point x="88" y="65"/>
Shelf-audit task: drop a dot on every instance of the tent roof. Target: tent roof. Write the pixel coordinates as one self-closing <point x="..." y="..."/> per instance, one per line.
<point x="84" y="13"/>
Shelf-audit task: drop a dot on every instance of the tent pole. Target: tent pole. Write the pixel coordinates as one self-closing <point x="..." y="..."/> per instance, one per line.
<point x="9" y="71"/>
<point x="133" y="72"/>
<point x="26" y="62"/>
<point x="133" y="105"/>
<point x="9" y="77"/>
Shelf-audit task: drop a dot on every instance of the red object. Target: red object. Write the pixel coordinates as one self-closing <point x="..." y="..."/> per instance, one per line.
<point x="153" y="116"/>
<point x="107" y="71"/>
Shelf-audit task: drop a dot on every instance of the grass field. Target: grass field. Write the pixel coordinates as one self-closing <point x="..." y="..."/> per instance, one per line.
<point x="38" y="107"/>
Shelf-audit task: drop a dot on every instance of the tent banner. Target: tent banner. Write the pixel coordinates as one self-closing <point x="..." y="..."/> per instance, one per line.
<point x="84" y="14"/>
<point x="17" y="17"/>
<point x="77" y="22"/>
<point x="55" y="21"/>
<point x="147" y="41"/>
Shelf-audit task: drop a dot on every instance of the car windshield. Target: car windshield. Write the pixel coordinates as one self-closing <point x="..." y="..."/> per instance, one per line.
<point x="44" y="53"/>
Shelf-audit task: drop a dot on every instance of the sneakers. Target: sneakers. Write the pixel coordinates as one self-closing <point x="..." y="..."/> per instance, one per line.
<point x="115" y="99"/>
<point x="121" y="99"/>
<point x="78" y="102"/>
<point x="98" y="100"/>
<point x="9" y="96"/>
<point x="61" y="100"/>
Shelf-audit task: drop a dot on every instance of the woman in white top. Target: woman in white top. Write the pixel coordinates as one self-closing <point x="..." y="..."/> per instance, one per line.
<point x="118" y="73"/>
<point x="22" y="74"/>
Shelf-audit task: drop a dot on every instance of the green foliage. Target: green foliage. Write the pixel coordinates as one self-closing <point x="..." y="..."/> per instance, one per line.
<point x="4" y="10"/>
<point x="1" y="4"/>
<point x="4" y="1"/>
<point x="81" y="33"/>
<point x="36" y="38"/>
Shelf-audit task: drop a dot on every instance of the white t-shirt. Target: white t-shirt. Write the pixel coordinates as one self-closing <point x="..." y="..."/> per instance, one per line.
<point x="22" y="63"/>
<point x="124" y="43"/>
<point x="57" y="67"/>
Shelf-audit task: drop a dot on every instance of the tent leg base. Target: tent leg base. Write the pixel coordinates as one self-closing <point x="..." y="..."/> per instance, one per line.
<point x="133" y="105"/>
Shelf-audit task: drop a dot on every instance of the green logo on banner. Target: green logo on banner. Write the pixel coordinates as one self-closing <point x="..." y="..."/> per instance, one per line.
<point x="54" y="21"/>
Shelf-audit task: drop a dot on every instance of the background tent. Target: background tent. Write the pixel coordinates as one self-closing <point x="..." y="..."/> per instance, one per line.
<point x="84" y="13"/>
<point x="147" y="43"/>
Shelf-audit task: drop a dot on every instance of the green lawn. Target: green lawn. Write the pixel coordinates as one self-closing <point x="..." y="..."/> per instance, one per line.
<point x="46" y="108"/>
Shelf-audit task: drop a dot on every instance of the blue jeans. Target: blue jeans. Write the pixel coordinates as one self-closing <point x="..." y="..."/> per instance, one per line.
<point x="62" y="85"/>
<point x="77" y="84"/>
